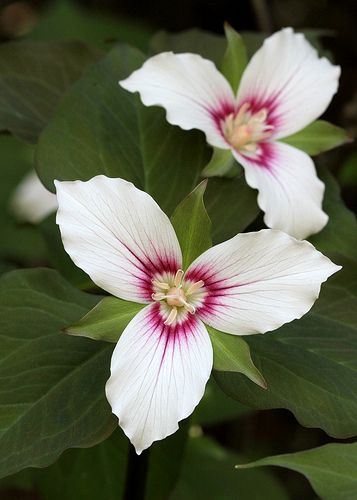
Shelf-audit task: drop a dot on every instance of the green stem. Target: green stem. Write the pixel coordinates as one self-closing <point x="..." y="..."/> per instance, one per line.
<point x="136" y="475"/>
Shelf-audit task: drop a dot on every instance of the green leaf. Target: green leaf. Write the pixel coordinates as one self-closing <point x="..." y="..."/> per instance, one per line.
<point x="331" y="469"/>
<point x="310" y="364"/>
<point x="68" y="19"/>
<point x="339" y="237"/>
<point x="192" y="225"/>
<point x="95" y="128"/>
<point x="88" y="474"/>
<point x="208" y="45"/>
<point x="79" y="474"/>
<point x="172" y="158"/>
<point x="19" y="243"/>
<point x="56" y="254"/>
<point x="216" y="407"/>
<point x="51" y="384"/>
<point x="232" y="354"/>
<point x="165" y="462"/>
<point x="221" y="164"/>
<point x="231" y="205"/>
<point x="107" y="320"/>
<point x="347" y="175"/>
<point x="33" y="78"/>
<point x="235" y="59"/>
<point x="318" y="137"/>
<point x="100" y="128"/>
<point x="208" y="472"/>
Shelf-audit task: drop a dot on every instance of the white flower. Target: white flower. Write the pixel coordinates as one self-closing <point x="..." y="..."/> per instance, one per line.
<point x="31" y="202"/>
<point x="253" y="283"/>
<point x="284" y="88"/>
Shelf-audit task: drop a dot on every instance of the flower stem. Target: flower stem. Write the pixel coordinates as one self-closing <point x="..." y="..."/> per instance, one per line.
<point x="136" y="475"/>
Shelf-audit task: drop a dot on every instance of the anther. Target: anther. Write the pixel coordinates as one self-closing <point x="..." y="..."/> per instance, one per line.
<point x="194" y="287"/>
<point x="160" y="284"/>
<point x="158" y="296"/>
<point x="171" y="317"/>
<point x="178" y="277"/>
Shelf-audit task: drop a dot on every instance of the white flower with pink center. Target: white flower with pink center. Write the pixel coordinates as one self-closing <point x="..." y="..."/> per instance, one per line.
<point x="284" y="87"/>
<point x="252" y="283"/>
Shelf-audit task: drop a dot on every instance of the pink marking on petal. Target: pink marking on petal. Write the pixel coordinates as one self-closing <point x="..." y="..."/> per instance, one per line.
<point x="218" y="291"/>
<point x="168" y="334"/>
<point x="271" y="104"/>
<point x="264" y="157"/>
<point x="220" y="113"/>
<point x="147" y="267"/>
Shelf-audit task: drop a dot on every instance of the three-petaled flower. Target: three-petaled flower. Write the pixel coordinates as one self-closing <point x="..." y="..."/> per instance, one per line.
<point x="284" y="87"/>
<point x="252" y="283"/>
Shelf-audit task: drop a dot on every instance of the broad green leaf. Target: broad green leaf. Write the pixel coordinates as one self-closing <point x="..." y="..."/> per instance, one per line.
<point x="221" y="164"/>
<point x="192" y="225"/>
<point x="19" y="243"/>
<point x="33" y="78"/>
<point x="339" y="237"/>
<point x="208" y="473"/>
<point x="331" y="469"/>
<point x="51" y="385"/>
<point x="208" y="45"/>
<point x="107" y="320"/>
<point x="318" y="137"/>
<point x="310" y="364"/>
<point x="173" y="158"/>
<point x="232" y="354"/>
<point x="79" y="474"/>
<point x="347" y="175"/>
<point x="56" y="254"/>
<point x="95" y="129"/>
<point x="100" y="128"/>
<point x="68" y="19"/>
<point x="216" y="407"/>
<point x="231" y="205"/>
<point x="235" y="57"/>
<point x="165" y="463"/>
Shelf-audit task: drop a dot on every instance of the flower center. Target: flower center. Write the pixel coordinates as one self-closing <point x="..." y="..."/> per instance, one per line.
<point x="178" y="295"/>
<point x="244" y="130"/>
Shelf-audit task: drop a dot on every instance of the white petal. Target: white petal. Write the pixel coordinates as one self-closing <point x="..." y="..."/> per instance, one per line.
<point x="290" y="193"/>
<point x="256" y="282"/>
<point x="158" y="375"/>
<point x="117" y="234"/>
<point x="191" y="89"/>
<point x="288" y="78"/>
<point x="31" y="202"/>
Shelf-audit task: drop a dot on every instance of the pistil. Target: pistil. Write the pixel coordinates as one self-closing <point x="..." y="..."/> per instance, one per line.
<point x="176" y="295"/>
<point x="245" y="130"/>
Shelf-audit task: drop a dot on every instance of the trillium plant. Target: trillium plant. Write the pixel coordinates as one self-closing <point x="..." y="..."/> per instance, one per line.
<point x="163" y="212"/>
<point x="285" y="87"/>
<point x="252" y="283"/>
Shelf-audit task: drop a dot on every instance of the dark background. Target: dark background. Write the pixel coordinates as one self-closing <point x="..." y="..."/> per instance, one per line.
<point x="268" y="432"/>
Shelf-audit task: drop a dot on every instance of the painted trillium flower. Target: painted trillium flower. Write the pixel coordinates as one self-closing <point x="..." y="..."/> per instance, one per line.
<point x="284" y="87"/>
<point x="252" y="283"/>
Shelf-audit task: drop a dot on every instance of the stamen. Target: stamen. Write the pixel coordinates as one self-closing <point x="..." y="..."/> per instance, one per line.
<point x="178" y="278"/>
<point x="189" y="307"/>
<point x="242" y="110"/>
<point x="158" y="296"/>
<point x="246" y="129"/>
<point x="171" y="317"/>
<point x="160" y="284"/>
<point x="194" y="287"/>
<point x="261" y="116"/>
<point x="251" y="148"/>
